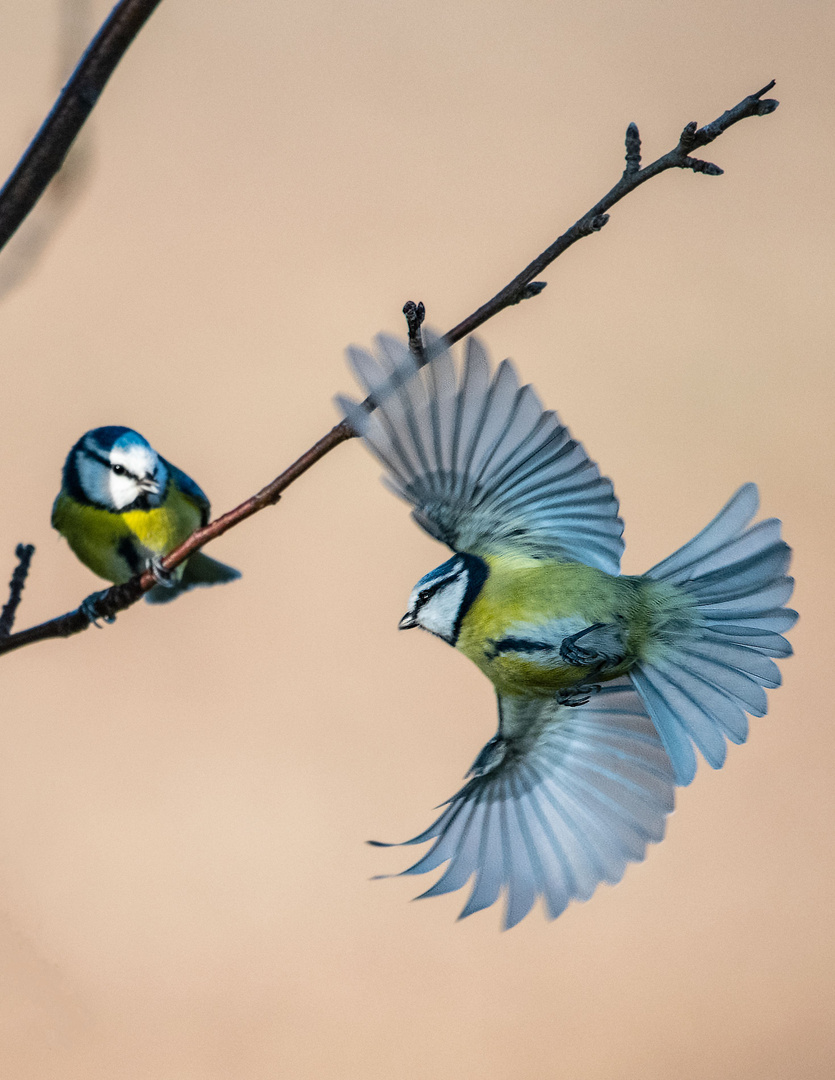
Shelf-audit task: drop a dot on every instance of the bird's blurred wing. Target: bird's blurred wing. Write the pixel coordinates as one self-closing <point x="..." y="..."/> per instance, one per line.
<point x="560" y="800"/>
<point x="486" y="469"/>
<point x="191" y="491"/>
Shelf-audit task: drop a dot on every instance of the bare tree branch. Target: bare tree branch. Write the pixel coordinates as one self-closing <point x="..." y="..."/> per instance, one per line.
<point x="119" y="597"/>
<point x="24" y="553"/>
<point x="50" y="146"/>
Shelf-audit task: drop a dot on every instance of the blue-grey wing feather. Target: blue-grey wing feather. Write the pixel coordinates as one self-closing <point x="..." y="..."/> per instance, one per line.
<point x="579" y="793"/>
<point x="484" y="466"/>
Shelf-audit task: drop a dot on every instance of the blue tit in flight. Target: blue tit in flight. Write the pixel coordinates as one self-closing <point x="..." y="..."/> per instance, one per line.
<point x="606" y="684"/>
<point x="122" y="507"/>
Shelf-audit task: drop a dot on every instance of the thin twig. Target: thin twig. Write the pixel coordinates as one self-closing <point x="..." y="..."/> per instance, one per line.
<point x="523" y="286"/>
<point x="23" y="553"/>
<point x="51" y="145"/>
<point x="594" y="219"/>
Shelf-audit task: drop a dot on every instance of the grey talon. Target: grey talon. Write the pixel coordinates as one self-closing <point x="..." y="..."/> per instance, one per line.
<point x="581" y="694"/>
<point x="161" y="575"/>
<point x="88" y="608"/>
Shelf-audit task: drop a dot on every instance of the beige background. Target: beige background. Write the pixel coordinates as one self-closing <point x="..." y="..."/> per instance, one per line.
<point x="184" y="797"/>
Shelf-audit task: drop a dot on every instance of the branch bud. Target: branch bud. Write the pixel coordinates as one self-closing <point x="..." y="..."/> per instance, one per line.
<point x="688" y="137"/>
<point x="415" y="314"/>
<point x="533" y="288"/>
<point x="706" y="167"/>
<point x="633" y="150"/>
<point x="595" y="224"/>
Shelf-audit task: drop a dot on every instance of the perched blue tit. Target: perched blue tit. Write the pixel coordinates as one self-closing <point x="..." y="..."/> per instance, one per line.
<point x="122" y="507"/>
<point x="606" y="684"/>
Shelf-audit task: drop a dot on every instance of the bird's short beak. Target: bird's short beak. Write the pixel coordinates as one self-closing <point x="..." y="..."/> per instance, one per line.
<point x="150" y="486"/>
<point x="408" y="622"/>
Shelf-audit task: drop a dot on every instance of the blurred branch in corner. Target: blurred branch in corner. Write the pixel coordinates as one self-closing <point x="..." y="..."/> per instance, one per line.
<point x="23" y="252"/>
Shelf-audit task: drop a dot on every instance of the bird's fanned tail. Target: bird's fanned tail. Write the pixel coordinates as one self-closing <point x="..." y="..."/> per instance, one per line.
<point x="699" y="681"/>
<point x="199" y="570"/>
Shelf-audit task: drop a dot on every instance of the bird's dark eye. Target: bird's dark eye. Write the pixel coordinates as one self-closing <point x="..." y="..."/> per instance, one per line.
<point x="118" y="469"/>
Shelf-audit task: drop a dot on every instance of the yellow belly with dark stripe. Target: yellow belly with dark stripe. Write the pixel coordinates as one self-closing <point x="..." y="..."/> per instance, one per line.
<point x="558" y="599"/>
<point x="95" y="535"/>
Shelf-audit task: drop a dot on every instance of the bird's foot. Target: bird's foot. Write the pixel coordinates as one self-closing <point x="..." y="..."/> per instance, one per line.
<point x="587" y="655"/>
<point x="88" y="608"/>
<point x="577" y="695"/>
<point x="161" y="575"/>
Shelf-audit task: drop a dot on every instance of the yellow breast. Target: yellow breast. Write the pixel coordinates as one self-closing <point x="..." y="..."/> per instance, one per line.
<point x="103" y="540"/>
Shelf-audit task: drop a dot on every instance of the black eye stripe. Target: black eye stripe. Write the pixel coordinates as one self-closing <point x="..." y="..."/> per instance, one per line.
<point x="434" y="587"/>
<point x="426" y="594"/>
<point x="90" y="452"/>
<point x="120" y="470"/>
<point x="108" y="464"/>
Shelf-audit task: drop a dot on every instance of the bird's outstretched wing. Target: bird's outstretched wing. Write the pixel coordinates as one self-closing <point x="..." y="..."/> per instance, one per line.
<point x="486" y="469"/>
<point x="560" y="800"/>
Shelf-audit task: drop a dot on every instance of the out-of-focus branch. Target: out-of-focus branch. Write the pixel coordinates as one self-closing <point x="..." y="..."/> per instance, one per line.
<point x="119" y="597"/>
<point x="76" y="101"/>
<point x="23" y="252"/>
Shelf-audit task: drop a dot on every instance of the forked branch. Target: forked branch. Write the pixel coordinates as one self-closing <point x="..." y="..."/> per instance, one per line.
<point x="522" y="287"/>
<point x="633" y="176"/>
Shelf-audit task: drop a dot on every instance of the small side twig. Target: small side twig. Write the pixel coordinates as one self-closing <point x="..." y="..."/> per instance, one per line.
<point x="523" y="286"/>
<point x="23" y="553"/>
<point x="415" y="314"/>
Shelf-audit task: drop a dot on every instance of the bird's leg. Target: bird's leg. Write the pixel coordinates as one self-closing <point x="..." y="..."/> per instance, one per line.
<point x="581" y="694"/>
<point x="601" y="649"/>
<point x="88" y="608"/>
<point x="161" y="575"/>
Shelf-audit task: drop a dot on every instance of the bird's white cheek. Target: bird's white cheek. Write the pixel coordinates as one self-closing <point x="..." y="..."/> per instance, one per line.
<point x="440" y="614"/>
<point x="123" y="490"/>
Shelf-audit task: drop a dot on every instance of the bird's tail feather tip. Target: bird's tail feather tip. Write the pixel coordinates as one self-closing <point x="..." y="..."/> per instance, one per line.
<point x="203" y="570"/>
<point x="700" y="681"/>
<point x="200" y="570"/>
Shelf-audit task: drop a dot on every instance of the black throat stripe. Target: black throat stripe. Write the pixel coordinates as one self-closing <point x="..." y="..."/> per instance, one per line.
<point x="477" y="572"/>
